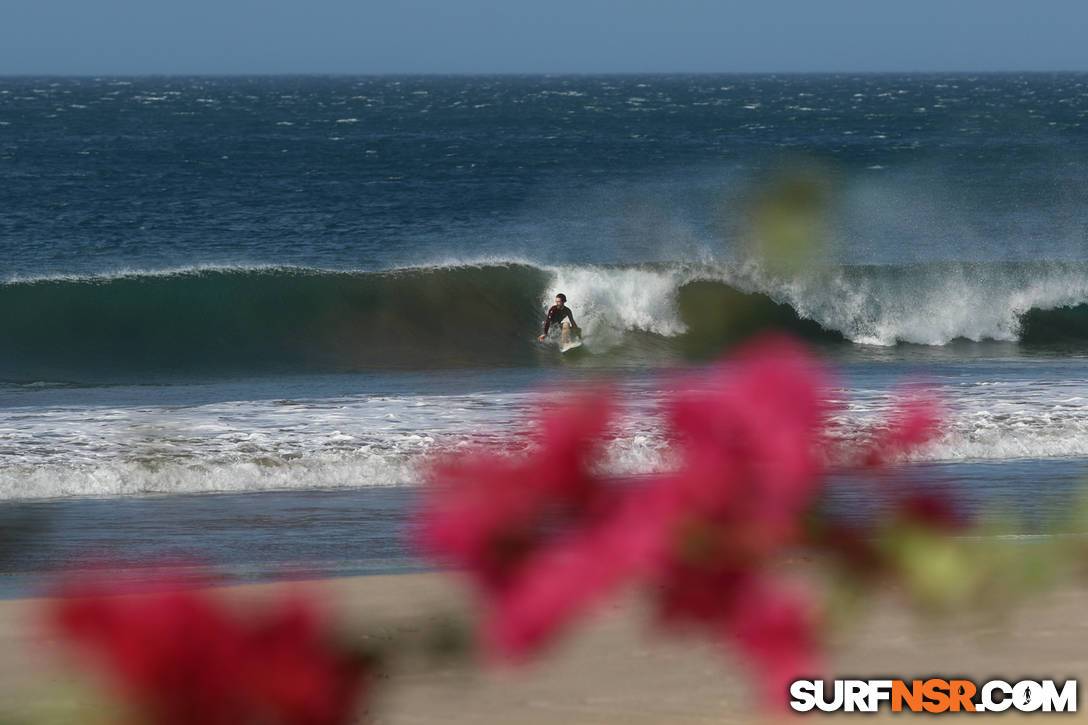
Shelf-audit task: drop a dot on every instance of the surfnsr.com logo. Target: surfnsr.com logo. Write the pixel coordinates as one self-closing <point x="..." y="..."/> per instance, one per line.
<point x="933" y="695"/>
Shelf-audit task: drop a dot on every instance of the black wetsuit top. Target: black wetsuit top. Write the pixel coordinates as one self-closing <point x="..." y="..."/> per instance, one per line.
<point x="556" y="316"/>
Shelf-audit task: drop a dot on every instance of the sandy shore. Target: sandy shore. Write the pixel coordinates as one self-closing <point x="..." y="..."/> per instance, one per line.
<point x="610" y="670"/>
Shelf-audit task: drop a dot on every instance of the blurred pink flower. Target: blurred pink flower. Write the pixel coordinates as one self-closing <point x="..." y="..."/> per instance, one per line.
<point x="520" y="528"/>
<point x="751" y="469"/>
<point x="486" y="512"/>
<point x="775" y="627"/>
<point x="750" y="438"/>
<point x="545" y="539"/>
<point x="915" y="420"/>
<point x="181" y="656"/>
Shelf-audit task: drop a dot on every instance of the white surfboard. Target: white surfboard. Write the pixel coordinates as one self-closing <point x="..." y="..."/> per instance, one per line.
<point x="570" y="346"/>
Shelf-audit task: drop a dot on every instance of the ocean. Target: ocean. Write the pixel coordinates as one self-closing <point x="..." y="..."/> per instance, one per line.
<point x="240" y="312"/>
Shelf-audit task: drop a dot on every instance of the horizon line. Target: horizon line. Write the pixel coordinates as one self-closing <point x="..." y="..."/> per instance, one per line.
<point x="534" y="74"/>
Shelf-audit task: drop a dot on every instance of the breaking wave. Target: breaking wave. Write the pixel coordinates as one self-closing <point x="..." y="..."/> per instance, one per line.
<point x="271" y="319"/>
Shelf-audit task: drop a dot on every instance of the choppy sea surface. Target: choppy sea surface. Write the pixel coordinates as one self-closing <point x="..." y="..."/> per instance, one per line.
<point x="238" y="313"/>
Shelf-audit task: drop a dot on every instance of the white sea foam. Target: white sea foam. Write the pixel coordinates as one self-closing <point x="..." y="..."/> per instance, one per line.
<point x="125" y="478"/>
<point x="872" y="306"/>
<point x="610" y="301"/>
<point x="353" y="441"/>
<point x="362" y="441"/>
<point x="234" y="446"/>
<point x="929" y="306"/>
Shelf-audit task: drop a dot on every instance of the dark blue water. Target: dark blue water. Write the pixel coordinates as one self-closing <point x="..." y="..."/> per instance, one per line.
<point x="278" y="286"/>
<point x="364" y="173"/>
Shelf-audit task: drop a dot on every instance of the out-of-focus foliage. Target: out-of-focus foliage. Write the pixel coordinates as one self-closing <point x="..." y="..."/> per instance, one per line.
<point x="789" y="216"/>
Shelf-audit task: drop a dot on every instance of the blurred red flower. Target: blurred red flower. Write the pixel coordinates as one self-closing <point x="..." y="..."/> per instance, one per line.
<point x="181" y="656"/>
<point x="546" y="538"/>
<point x="514" y="525"/>
<point x="775" y="628"/>
<point x="914" y="421"/>
<point x="751" y="439"/>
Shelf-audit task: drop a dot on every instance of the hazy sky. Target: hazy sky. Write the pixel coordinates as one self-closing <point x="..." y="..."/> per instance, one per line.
<point x="519" y="36"/>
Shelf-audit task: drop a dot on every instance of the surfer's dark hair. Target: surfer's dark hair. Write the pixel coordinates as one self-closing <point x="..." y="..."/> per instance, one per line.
<point x="562" y="296"/>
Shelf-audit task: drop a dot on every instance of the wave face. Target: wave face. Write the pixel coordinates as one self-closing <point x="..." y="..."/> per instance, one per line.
<point x="227" y="320"/>
<point x="204" y="321"/>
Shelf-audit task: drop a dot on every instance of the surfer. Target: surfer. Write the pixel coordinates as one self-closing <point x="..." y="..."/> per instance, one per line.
<point x="560" y="314"/>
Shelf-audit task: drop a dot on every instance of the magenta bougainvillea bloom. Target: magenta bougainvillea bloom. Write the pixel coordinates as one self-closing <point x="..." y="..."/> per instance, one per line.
<point x="548" y="538"/>
<point x="751" y="467"/>
<point x="181" y="657"/>
<point x="914" y="421"/>
<point x="514" y="525"/>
